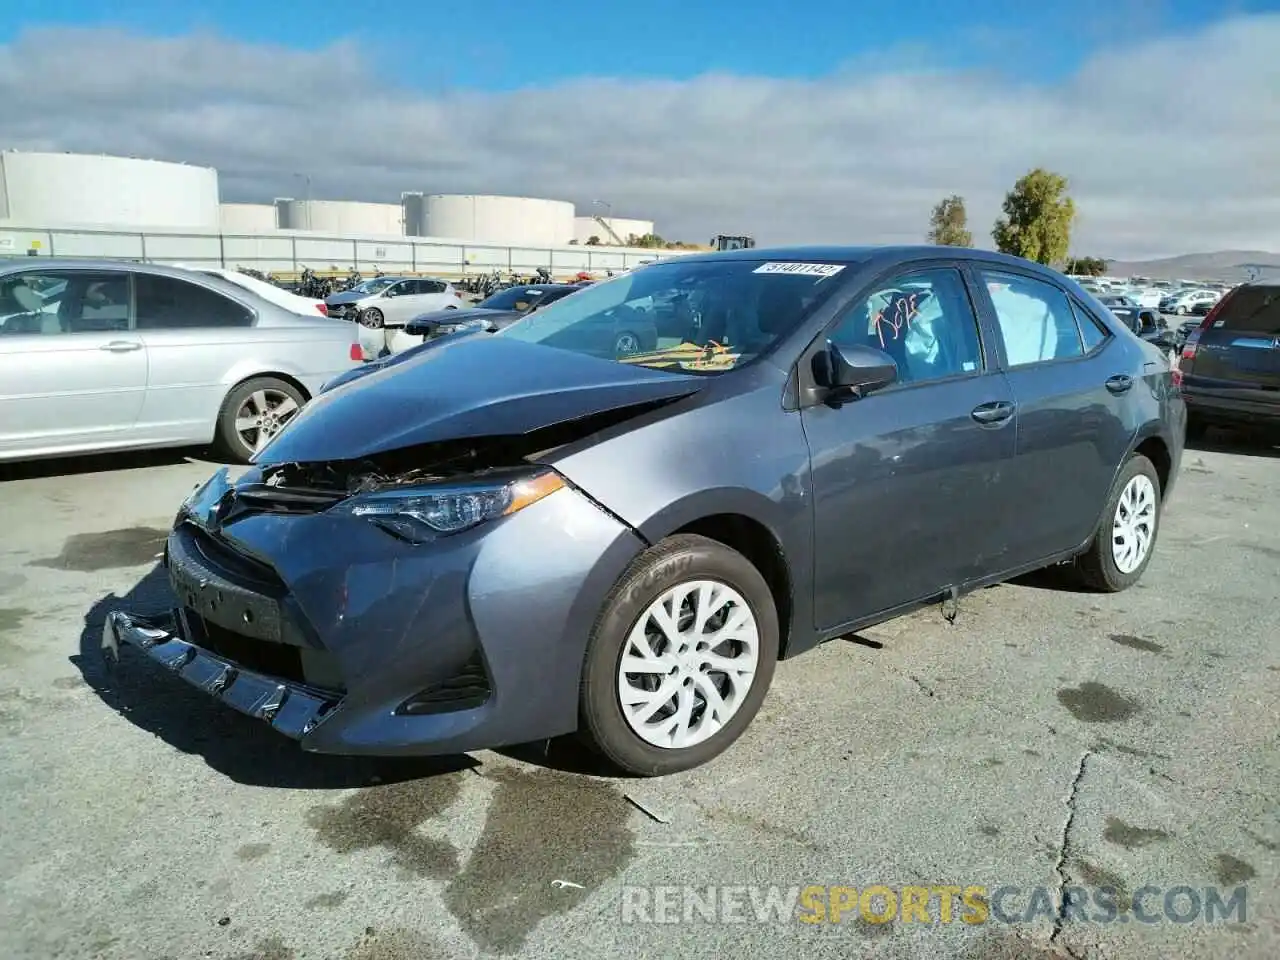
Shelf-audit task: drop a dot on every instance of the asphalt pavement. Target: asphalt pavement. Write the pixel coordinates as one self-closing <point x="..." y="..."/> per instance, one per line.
<point x="1047" y="739"/>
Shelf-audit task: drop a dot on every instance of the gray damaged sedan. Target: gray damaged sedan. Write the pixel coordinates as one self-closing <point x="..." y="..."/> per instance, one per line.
<point x="508" y="537"/>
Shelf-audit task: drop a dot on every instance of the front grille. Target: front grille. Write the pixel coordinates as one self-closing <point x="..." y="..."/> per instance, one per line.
<point x="314" y="668"/>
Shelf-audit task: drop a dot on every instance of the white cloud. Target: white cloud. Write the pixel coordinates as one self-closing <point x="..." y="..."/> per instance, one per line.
<point x="1169" y="142"/>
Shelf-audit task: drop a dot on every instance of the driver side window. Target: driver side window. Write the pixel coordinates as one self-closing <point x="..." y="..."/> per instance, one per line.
<point x="924" y="321"/>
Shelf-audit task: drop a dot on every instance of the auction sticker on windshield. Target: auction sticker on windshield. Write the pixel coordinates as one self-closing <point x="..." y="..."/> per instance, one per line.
<point x="801" y="269"/>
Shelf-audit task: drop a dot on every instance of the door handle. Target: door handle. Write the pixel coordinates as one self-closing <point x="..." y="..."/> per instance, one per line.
<point x="998" y="411"/>
<point x="121" y="346"/>
<point x="1120" y="383"/>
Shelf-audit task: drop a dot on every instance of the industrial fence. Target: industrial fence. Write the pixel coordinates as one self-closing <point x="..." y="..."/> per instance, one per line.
<point x="290" y="251"/>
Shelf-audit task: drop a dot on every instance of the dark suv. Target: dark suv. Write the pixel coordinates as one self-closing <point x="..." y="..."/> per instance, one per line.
<point x="1230" y="364"/>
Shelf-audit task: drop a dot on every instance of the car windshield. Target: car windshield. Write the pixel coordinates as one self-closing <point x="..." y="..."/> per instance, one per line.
<point x="374" y="285"/>
<point x="513" y="298"/>
<point x="707" y="316"/>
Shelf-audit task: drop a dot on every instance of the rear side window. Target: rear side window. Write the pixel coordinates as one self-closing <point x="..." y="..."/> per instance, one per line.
<point x="165" y="303"/>
<point x="1035" y="319"/>
<point x="1251" y="310"/>
<point x="430" y="286"/>
<point x="1092" y="333"/>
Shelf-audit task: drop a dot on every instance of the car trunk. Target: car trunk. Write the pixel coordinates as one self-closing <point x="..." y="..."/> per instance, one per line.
<point x="1239" y="343"/>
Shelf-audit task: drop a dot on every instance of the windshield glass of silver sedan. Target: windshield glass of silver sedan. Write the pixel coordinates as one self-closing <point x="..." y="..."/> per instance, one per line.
<point x="705" y="316"/>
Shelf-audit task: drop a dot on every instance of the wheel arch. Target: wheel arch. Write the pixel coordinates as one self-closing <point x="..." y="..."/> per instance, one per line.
<point x="743" y="521"/>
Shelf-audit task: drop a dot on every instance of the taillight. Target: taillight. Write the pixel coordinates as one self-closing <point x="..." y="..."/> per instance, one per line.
<point x="324" y="310"/>
<point x="357" y="353"/>
<point x="1193" y="338"/>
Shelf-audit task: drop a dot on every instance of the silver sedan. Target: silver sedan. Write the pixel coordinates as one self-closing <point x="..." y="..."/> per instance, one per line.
<point x="103" y="355"/>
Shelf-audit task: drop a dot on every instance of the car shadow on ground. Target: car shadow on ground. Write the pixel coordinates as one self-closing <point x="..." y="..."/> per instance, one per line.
<point x="1238" y="440"/>
<point x="245" y="750"/>
<point x="105" y="463"/>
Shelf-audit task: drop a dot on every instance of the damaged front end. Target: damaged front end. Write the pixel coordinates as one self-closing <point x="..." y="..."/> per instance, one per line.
<point x="422" y="600"/>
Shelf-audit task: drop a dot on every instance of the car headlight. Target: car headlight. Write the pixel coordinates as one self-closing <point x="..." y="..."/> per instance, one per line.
<point x="421" y="514"/>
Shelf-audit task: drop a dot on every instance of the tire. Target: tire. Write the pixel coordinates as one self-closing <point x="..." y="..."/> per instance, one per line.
<point x="627" y="343"/>
<point x="241" y="404"/>
<point x="372" y="318"/>
<point x="1180" y="311"/>
<point x="669" y="566"/>
<point x="1097" y="566"/>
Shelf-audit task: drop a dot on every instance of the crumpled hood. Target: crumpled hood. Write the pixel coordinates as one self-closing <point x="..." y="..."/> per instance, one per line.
<point x="346" y="296"/>
<point x="475" y="386"/>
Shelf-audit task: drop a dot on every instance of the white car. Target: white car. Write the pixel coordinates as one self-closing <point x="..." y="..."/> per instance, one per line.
<point x="303" y="306"/>
<point x="1185" y="301"/>
<point x="1147" y="297"/>
<point x="383" y="305"/>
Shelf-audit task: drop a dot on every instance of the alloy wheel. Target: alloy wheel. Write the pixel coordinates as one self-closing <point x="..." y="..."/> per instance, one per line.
<point x="626" y="344"/>
<point x="372" y="318"/>
<point x="688" y="664"/>
<point x="263" y="414"/>
<point x="1134" y="524"/>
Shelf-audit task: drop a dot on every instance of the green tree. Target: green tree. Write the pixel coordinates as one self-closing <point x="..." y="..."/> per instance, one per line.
<point x="1037" y="220"/>
<point x="949" y="224"/>
<point x="1087" y="266"/>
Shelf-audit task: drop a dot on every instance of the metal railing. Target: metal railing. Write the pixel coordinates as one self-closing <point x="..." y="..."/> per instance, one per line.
<point x="290" y="252"/>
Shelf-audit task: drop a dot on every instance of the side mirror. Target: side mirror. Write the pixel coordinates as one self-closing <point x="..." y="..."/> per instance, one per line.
<point x="857" y="369"/>
<point x="420" y="328"/>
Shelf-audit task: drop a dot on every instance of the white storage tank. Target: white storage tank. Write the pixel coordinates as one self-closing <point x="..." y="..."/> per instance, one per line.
<point x="339" y="217"/>
<point x="584" y="228"/>
<point x="46" y="189"/>
<point x="248" y="217"/>
<point x="509" y="221"/>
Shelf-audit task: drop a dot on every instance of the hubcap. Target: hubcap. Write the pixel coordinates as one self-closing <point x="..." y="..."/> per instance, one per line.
<point x="627" y="344"/>
<point x="372" y="318"/>
<point x="688" y="664"/>
<point x="1134" y="526"/>
<point x="263" y="414"/>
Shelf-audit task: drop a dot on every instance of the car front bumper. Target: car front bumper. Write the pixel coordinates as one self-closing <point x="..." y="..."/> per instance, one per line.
<point x="351" y="641"/>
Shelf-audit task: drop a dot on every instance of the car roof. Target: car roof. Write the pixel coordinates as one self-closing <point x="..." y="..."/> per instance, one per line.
<point x="224" y="286"/>
<point x="870" y="255"/>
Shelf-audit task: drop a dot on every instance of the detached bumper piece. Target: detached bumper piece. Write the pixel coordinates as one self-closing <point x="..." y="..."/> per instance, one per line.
<point x="290" y="708"/>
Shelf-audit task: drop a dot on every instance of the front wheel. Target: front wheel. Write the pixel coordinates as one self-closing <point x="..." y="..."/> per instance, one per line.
<point x="1180" y="311"/>
<point x="1126" y="535"/>
<point x="373" y="318"/>
<point x="680" y="658"/>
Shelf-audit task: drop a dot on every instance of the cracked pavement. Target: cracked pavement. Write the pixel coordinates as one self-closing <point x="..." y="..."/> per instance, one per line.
<point x="1046" y="739"/>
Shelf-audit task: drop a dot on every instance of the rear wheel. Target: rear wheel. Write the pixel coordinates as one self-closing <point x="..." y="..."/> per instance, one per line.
<point x="680" y="659"/>
<point x="253" y="413"/>
<point x="1126" y="535"/>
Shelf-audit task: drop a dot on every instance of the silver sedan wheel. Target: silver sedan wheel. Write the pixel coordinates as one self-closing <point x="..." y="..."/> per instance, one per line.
<point x="372" y="318"/>
<point x="626" y="344"/>
<point x="1134" y="525"/>
<point x="688" y="664"/>
<point x="263" y="414"/>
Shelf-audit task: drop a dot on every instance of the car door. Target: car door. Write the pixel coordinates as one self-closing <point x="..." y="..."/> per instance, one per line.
<point x="908" y="482"/>
<point x="73" y="371"/>
<point x="401" y="302"/>
<point x="1073" y="388"/>
<point x="194" y="337"/>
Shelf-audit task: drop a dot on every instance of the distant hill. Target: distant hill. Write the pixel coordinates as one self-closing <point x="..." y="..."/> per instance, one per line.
<point x="1229" y="265"/>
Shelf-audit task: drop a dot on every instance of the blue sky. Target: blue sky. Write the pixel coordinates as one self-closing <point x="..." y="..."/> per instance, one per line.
<point x="505" y="44"/>
<point x="803" y="121"/>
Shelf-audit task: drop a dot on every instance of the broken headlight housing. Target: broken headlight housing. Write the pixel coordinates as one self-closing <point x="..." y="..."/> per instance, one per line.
<point x="422" y="513"/>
